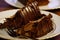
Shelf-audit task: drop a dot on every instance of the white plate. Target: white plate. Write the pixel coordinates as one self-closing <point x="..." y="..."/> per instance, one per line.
<point x="14" y="3"/>
<point x="20" y="5"/>
<point x="53" y="4"/>
<point x="48" y="8"/>
<point x="9" y="13"/>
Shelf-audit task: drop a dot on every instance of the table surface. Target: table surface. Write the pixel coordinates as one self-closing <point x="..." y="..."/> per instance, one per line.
<point x="4" y="6"/>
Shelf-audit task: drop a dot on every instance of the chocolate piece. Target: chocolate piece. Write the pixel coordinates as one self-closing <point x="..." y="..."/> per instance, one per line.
<point x="24" y="2"/>
<point x="29" y="22"/>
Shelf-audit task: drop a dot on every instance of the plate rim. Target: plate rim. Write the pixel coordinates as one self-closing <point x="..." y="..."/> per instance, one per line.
<point x="14" y="5"/>
<point x="40" y="7"/>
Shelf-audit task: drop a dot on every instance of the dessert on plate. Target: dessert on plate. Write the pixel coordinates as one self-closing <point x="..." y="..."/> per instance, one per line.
<point x="28" y="22"/>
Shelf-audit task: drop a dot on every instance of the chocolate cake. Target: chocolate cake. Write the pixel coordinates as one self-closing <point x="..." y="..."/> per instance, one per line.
<point x="29" y="22"/>
<point x="24" y="2"/>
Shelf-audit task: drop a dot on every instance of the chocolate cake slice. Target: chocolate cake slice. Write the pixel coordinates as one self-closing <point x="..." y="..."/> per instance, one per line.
<point x="29" y="22"/>
<point x="37" y="28"/>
